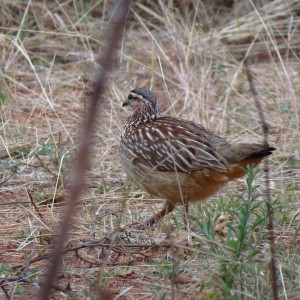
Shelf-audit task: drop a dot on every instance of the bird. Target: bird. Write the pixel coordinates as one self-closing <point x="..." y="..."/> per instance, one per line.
<point x="178" y="160"/>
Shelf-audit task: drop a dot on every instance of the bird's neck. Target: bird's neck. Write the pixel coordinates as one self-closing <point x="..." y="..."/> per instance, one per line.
<point x="145" y="113"/>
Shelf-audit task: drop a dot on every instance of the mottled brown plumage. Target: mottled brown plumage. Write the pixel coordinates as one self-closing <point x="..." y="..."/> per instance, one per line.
<point x="178" y="160"/>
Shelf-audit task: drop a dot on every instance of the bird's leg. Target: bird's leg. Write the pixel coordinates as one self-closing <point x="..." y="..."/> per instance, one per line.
<point x="168" y="207"/>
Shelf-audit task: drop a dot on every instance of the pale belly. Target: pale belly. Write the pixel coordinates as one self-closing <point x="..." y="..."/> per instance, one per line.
<point x="175" y="186"/>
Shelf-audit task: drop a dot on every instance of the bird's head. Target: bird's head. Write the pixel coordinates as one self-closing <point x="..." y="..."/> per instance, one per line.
<point x="143" y="101"/>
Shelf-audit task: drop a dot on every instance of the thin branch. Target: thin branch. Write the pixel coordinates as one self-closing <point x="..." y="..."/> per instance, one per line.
<point x="4" y="291"/>
<point x="270" y="226"/>
<point x="82" y="160"/>
<point x="102" y="244"/>
<point x="20" y="279"/>
<point x="34" y="205"/>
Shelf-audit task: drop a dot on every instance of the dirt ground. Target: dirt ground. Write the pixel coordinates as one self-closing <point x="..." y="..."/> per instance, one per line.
<point x="189" y="53"/>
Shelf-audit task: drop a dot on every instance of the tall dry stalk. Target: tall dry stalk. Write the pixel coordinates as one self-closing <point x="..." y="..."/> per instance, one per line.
<point x="82" y="160"/>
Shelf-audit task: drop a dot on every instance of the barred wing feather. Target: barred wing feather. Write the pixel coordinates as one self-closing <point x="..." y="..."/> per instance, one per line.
<point x="175" y="146"/>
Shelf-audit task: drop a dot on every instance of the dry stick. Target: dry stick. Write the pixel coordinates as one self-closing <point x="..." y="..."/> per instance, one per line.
<point x="270" y="226"/>
<point x="34" y="205"/>
<point x="5" y="281"/>
<point x="4" y="291"/>
<point x="101" y="244"/>
<point x="82" y="160"/>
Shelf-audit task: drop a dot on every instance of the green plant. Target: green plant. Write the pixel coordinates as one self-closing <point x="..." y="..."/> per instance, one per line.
<point x="57" y="158"/>
<point x="240" y="267"/>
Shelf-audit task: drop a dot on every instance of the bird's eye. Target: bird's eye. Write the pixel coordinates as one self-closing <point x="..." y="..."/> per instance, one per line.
<point x="130" y="97"/>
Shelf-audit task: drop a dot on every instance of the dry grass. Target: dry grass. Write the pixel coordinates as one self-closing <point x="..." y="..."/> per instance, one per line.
<point x="47" y="54"/>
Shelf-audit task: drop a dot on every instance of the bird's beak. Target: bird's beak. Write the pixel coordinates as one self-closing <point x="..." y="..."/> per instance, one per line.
<point x="125" y="103"/>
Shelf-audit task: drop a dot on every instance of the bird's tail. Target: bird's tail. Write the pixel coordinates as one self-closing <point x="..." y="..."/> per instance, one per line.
<point x="244" y="154"/>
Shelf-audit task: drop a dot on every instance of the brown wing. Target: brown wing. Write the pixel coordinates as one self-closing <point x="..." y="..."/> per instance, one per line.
<point x="175" y="145"/>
